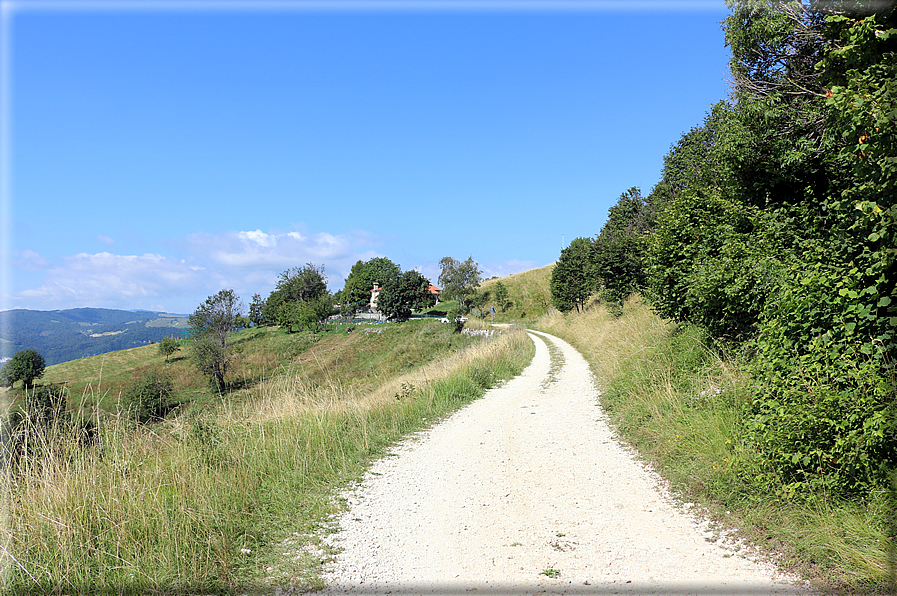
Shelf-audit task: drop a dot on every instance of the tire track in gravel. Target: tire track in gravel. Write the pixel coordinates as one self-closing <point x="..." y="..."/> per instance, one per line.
<point x="526" y="491"/>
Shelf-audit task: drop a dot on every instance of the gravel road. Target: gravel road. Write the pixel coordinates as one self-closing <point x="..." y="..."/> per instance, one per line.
<point x="526" y="491"/>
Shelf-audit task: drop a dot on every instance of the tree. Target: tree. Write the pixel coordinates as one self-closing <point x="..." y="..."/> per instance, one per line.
<point x="618" y="257"/>
<point x="313" y="313"/>
<point x="302" y="284"/>
<point x="501" y="296"/>
<point x="402" y="294"/>
<point x="778" y="229"/>
<point x="168" y="346"/>
<point x="25" y="365"/>
<point x="360" y="281"/>
<point x="297" y="288"/>
<point x="459" y="280"/>
<point x="211" y="324"/>
<point x="256" y="308"/>
<point x="572" y="279"/>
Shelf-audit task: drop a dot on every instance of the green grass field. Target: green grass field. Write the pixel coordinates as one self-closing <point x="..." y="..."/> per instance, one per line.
<point x="207" y="500"/>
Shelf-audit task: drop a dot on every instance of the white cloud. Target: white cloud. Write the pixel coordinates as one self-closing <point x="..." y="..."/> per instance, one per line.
<point x="29" y="261"/>
<point x="248" y="262"/>
<point x="106" y="240"/>
<point x="257" y="249"/>
<point x="106" y="279"/>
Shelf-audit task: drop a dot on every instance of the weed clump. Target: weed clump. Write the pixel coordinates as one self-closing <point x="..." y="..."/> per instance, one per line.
<point x="150" y="396"/>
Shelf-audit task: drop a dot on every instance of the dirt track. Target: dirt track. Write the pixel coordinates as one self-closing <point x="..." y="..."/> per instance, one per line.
<point x="526" y="491"/>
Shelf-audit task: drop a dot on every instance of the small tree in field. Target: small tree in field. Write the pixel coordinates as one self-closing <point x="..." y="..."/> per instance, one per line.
<point x="211" y="324"/>
<point x="572" y="279"/>
<point x="168" y="346"/>
<point x="501" y="296"/>
<point x="25" y="365"/>
<point x="459" y="280"/>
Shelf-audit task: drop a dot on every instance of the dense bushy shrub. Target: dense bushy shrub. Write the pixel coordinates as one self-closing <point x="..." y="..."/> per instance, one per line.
<point x="710" y="263"/>
<point x="150" y="396"/>
<point x="45" y="404"/>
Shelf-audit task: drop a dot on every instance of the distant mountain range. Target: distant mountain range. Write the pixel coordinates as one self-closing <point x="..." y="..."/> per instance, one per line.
<point x="63" y="335"/>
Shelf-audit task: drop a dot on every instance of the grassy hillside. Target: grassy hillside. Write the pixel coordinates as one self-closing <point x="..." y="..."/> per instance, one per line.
<point x="528" y="290"/>
<point x="362" y="360"/>
<point x="228" y="493"/>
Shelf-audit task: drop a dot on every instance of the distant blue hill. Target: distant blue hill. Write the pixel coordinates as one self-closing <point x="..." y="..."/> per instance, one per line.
<point x="63" y="335"/>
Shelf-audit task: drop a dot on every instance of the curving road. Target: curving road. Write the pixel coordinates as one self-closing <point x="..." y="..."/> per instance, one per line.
<point x="526" y="491"/>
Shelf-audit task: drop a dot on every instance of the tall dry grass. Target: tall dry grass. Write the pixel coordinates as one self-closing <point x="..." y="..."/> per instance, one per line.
<point x="201" y="503"/>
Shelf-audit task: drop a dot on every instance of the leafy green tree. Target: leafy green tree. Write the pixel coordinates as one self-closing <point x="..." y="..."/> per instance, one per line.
<point x="459" y="280"/>
<point x="692" y="164"/>
<point x="314" y="312"/>
<point x="618" y="251"/>
<point x="710" y="263"/>
<point x="501" y="296"/>
<point x="302" y="284"/>
<point x="256" y="311"/>
<point x="211" y="325"/>
<point x="573" y="279"/>
<point x="783" y="236"/>
<point x="361" y="279"/>
<point x="25" y="366"/>
<point x="168" y="346"/>
<point x="402" y="294"/>
<point x="296" y="288"/>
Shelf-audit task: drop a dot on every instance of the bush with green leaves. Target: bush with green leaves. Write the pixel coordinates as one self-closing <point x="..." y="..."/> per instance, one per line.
<point x="573" y="277"/>
<point x="168" y="346"/>
<point x="44" y="405"/>
<point x="709" y="263"/>
<point x="150" y="396"/>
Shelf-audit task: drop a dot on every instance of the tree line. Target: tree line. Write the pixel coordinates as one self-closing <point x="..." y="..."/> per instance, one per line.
<point x="302" y="301"/>
<point x="773" y="229"/>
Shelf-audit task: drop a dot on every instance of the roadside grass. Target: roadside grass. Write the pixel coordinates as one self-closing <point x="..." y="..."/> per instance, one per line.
<point x="231" y="496"/>
<point x="681" y="402"/>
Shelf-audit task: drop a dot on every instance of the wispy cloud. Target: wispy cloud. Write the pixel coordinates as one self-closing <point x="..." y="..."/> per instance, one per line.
<point x="28" y="260"/>
<point x="106" y="279"/>
<point x="258" y="249"/>
<point x="245" y="261"/>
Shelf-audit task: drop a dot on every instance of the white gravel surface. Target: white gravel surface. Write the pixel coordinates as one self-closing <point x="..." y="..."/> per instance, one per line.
<point x="526" y="491"/>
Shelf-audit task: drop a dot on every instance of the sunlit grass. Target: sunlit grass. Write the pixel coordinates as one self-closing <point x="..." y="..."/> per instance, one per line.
<point x="202" y="502"/>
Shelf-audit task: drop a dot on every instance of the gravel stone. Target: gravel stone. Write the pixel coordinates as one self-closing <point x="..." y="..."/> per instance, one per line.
<point x="528" y="491"/>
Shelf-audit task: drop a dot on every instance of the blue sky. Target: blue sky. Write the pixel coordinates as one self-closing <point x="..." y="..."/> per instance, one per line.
<point x="155" y="153"/>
